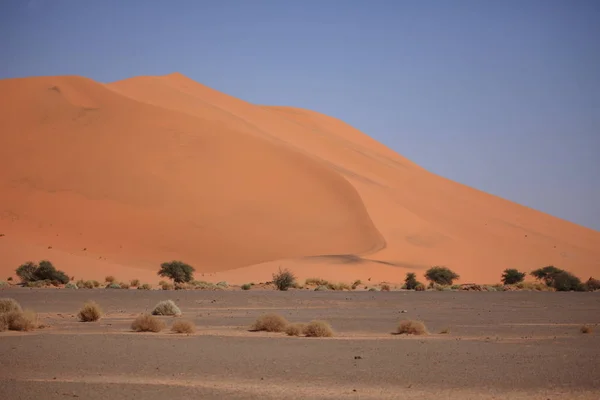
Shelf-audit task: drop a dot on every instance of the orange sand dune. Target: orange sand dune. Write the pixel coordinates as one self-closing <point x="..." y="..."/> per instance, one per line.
<point x="115" y="179"/>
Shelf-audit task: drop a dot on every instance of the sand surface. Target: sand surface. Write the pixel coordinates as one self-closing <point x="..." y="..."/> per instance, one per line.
<point x="117" y="178"/>
<point x="511" y="345"/>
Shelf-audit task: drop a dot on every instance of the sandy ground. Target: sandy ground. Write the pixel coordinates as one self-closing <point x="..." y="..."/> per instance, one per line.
<point x="501" y="345"/>
<point x="121" y="177"/>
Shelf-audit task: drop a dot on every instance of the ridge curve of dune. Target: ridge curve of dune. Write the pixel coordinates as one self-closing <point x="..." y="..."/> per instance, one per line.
<point x="117" y="178"/>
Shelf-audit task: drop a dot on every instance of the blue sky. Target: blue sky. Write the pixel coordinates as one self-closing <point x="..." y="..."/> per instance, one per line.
<point x="503" y="96"/>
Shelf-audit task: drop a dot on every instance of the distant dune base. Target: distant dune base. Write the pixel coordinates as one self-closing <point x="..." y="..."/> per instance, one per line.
<point x="117" y="178"/>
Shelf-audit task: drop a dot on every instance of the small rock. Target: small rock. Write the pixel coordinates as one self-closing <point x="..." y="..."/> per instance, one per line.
<point x="357" y="357"/>
<point x="403" y="311"/>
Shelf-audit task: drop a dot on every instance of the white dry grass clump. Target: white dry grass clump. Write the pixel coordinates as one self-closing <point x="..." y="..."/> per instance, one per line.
<point x="166" y="307"/>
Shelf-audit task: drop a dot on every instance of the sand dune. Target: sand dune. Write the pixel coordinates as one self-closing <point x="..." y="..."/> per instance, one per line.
<point x="118" y="178"/>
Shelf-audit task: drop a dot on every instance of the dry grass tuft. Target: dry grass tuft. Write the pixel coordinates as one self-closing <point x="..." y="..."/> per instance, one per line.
<point x="134" y="283"/>
<point x="110" y="279"/>
<point x="90" y="312"/>
<point x="318" y="329"/>
<point x="586" y="329"/>
<point x="7" y="305"/>
<point x="19" y="321"/>
<point x="166" y="307"/>
<point x="385" y="287"/>
<point x="294" y="329"/>
<point x="270" y="323"/>
<point x="183" y="326"/>
<point x="147" y="323"/>
<point x="445" y="331"/>
<point x="124" y="285"/>
<point x="410" y="327"/>
<point x="316" y="282"/>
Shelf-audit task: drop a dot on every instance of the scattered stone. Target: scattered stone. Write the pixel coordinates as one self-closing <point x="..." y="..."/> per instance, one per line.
<point x="357" y="357"/>
<point x="403" y="311"/>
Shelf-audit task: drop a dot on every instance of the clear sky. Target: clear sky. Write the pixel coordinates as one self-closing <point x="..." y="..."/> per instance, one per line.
<point x="503" y="96"/>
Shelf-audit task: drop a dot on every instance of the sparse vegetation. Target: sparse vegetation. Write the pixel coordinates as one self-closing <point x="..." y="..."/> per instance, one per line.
<point x="512" y="276"/>
<point x="90" y="312"/>
<point x="385" y="287"/>
<point x="9" y="305"/>
<point x="147" y="323"/>
<point x="90" y="284"/>
<point x="356" y="284"/>
<point x="110" y="279"/>
<point x="134" y="283"/>
<point x="295" y="329"/>
<point x="410" y="327"/>
<point x="113" y="286"/>
<point x="183" y="326"/>
<point x="246" y="286"/>
<point x="338" y="286"/>
<point x="145" y="286"/>
<point x="45" y="271"/>
<point x="94" y="284"/>
<point x="223" y="284"/>
<point x="283" y="280"/>
<point x="586" y="329"/>
<point x="538" y="286"/>
<point x="316" y="282"/>
<point x="270" y="323"/>
<point x="18" y="320"/>
<point x="592" y="285"/>
<point x="565" y="281"/>
<point x="177" y="271"/>
<point x="124" y="285"/>
<point x="4" y="284"/>
<point x="318" y="329"/>
<point x="410" y="281"/>
<point x="441" y="275"/>
<point x="166" y="307"/>
<point x="167" y="286"/>
<point x="321" y="288"/>
<point x="71" y="285"/>
<point x="372" y="289"/>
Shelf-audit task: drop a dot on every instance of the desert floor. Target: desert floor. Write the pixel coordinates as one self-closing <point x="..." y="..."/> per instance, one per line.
<point x="503" y="345"/>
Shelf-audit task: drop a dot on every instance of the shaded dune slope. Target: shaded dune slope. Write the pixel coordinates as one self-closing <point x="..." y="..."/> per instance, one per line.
<point x="153" y="168"/>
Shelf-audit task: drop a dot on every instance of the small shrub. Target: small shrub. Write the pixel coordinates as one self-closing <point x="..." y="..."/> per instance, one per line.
<point x="124" y="285"/>
<point x="512" y="276"/>
<point x="270" y="323"/>
<point x="294" y="329"/>
<point x="167" y="307"/>
<point x="183" y="326"/>
<point x="110" y="279"/>
<point x="183" y="286"/>
<point x="9" y="305"/>
<point x="167" y="286"/>
<point x="565" y="281"/>
<point x="222" y="284"/>
<point x="321" y="288"/>
<point x="147" y="323"/>
<point x="90" y="312"/>
<point x="71" y="285"/>
<point x="113" y="286"/>
<point x="283" y="280"/>
<point x="177" y="271"/>
<point x="372" y="289"/>
<point x="246" y="286"/>
<point x="385" y="287"/>
<point x="316" y="282"/>
<point x="420" y="287"/>
<point x="145" y="286"/>
<point x="592" y="285"/>
<point x="37" y="284"/>
<point x="411" y="281"/>
<point x="27" y="272"/>
<point x="441" y="275"/>
<point x="134" y="283"/>
<point x="586" y="329"/>
<point x="161" y="282"/>
<point x="80" y="283"/>
<point x="4" y="284"/>
<point x="410" y="327"/>
<point x="90" y="284"/>
<point x="338" y="286"/>
<point x="356" y="283"/>
<point x="19" y="320"/>
<point x="318" y="329"/>
<point x="538" y="286"/>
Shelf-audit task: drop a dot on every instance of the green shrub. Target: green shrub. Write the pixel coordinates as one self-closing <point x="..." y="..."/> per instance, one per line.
<point x="246" y="286"/>
<point x="511" y="276"/>
<point x="565" y="281"/>
<point x="45" y="271"/>
<point x="166" y="307"/>
<point x="284" y="279"/>
<point x="27" y="272"/>
<point x="592" y="285"/>
<point x="178" y="271"/>
<point x="411" y="281"/>
<point x="546" y="274"/>
<point x="441" y="275"/>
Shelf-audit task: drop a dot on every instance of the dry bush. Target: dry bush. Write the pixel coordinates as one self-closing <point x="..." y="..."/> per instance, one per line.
<point x="89" y="284"/>
<point x="356" y="284"/>
<point x="410" y="327"/>
<point x="316" y="282"/>
<point x="145" y="286"/>
<point x="338" y="286"/>
<point x="586" y="329"/>
<point x="166" y="307"/>
<point x="19" y="320"/>
<point x="183" y="286"/>
<point x="167" y="286"/>
<point x="95" y="284"/>
<point x="420" y="287"/>
<point x="295" y="329"/>
<point x="385" y="287"/>
<point x="183" y="326"/>
<point x="90" y="312"/>
<point x="538" y="286"/>
<point x="270" y="323"/>
<point x="7" y="305"/>
<point x="147" y="323"/>
<point x="110" y="279"/>
<point x="318" y="329"/>
<point x="134" y="283"/>
<point x="124" y="285"/>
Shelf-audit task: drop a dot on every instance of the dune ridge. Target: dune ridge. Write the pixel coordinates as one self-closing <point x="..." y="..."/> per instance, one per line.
<point x="117" y="178"/>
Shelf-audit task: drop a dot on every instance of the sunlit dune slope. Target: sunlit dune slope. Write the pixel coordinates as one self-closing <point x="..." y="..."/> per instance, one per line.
<point x="84" y="167"/>
<point x="153" y="168"/>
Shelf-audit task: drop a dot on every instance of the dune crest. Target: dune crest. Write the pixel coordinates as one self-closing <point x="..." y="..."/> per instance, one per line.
<point x="133" y="173"/>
